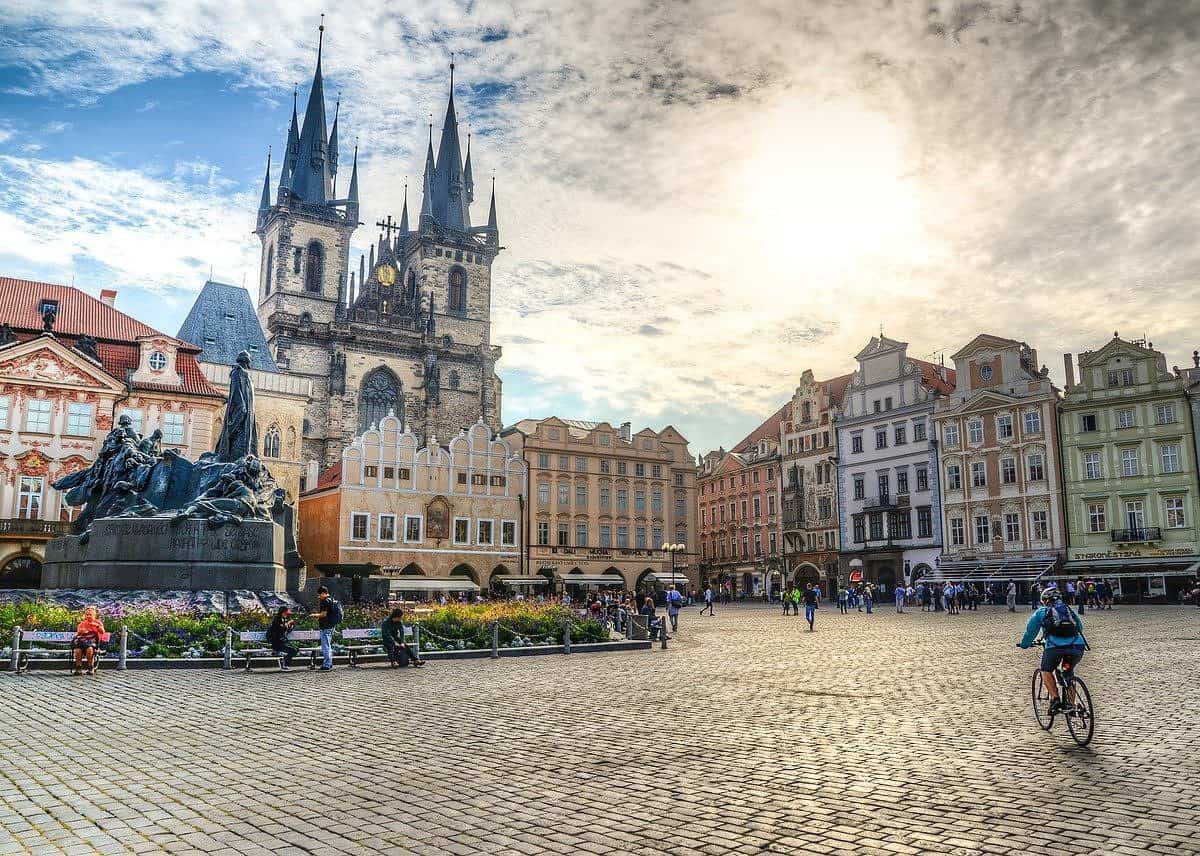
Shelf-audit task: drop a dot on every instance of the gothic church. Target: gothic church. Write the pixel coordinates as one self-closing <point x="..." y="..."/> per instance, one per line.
<point x="409" y="332"/>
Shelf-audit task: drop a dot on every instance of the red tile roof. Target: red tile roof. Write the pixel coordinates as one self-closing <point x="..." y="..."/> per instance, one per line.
<point x="836" y="388"/>
<point x="116" y="333"/>
<point x="330" y="477"/>
<point x="932" y="378"/>
<point x="768" y="430"/>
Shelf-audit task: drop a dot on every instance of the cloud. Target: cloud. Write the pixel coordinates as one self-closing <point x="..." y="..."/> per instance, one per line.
<point x="775" y="179"/>
<point x="147" y="107"/>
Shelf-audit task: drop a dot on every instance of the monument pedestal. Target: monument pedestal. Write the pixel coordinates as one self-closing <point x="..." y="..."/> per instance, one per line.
<point x="153" y="553"/>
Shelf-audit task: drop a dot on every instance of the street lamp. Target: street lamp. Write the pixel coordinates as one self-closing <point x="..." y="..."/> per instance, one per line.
<point x="671" y="550"/>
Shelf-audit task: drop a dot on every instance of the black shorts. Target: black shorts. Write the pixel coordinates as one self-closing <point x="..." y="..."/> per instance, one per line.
<point x="84" y="644"/>
<point x="1069" y="657"/>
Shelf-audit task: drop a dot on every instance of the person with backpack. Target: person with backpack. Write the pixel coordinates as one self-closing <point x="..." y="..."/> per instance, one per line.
<point x="1062" y="631"/>
<point x="674" y="602"/>
<point x="391" y="634"/>
<point x="329" y="616"/>
<point x="810" y="605"/>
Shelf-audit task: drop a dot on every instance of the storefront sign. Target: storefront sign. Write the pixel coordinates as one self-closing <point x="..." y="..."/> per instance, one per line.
<point x="1148" y="553"/>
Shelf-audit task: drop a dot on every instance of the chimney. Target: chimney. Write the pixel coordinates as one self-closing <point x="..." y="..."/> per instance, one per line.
<point x="1069" y="370"/>
<point x="108" y="296"/>
<point x="627" y="432"/>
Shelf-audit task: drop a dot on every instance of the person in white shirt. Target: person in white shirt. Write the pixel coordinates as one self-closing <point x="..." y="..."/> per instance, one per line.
<point x="708" y="601"/>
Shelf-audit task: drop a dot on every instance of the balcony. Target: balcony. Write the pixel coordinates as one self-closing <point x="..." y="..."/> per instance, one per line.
<point x="1135" y="536"/>
<point x="42" y="528"/>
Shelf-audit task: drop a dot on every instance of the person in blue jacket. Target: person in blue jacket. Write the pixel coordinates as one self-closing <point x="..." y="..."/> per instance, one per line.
<point x="1062" y="631"/>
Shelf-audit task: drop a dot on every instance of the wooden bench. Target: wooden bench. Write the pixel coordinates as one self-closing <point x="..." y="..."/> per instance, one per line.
<point x="369" y="641"/>
<point x="23" y="656"/>
<point x="263" y="652"/>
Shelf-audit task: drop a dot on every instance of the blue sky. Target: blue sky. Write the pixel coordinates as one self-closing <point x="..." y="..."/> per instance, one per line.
<point x="698" y="202"/>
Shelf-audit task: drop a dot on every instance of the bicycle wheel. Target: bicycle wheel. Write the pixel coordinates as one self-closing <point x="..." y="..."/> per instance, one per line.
<point x="1041" y="702"/>
<point x="1081" y="719"/>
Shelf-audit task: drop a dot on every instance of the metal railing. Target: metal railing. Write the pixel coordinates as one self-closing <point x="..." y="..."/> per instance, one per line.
<point x="1146" y="533"/>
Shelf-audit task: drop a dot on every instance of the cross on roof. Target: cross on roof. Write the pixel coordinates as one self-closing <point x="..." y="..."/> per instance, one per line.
<point x="388" y="226"/>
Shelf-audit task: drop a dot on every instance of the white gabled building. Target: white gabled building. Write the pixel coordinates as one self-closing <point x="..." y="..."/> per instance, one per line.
<point x="887" y="472"/>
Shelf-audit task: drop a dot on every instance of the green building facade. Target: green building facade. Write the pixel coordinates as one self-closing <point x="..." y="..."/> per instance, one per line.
<point x="1130" y="473"/>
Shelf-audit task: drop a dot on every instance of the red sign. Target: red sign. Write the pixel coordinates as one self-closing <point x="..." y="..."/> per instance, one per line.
<point x="856" y="576"/>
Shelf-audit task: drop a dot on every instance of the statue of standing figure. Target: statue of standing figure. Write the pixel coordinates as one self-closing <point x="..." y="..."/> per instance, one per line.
<point x="239" y="430"/>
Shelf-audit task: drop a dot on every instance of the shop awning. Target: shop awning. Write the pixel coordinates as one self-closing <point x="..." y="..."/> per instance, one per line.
<point x="513" y="580"/>
<point x="433" y="584"/>
<point x="1123" y="569"/>
<point x="593" y="579"/>
<point x="666" y="579"/>
<point x="991" y="570"/>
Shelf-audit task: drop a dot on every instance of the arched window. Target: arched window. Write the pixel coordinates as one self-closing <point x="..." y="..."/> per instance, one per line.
<point x="454" y="380"/>
<point x="297" y="257"/>
<point x="458" y="289"/>
<point x="271" y="442"/>
<point x="270" y="269"/>
<point x="316" y="268"/>
<point x="291" y="442"/>
<point x="380" y="393"/>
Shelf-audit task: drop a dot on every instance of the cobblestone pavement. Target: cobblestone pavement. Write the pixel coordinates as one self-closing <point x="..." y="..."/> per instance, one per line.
<point x="878" y="734"/>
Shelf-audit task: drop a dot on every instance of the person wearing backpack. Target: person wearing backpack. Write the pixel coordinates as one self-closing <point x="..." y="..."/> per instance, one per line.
<point x="1062" y="631"/>
<point x="329" y="616"/>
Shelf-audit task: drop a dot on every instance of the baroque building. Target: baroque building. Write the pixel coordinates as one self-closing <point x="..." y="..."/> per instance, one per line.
<point x="222" y="324"/>
<point x="807" y="440"/>
<point x="604" y="501"/>
<point x="64" y="383"/>
<point x="1130" y="472"/>
<point x="409" y="332"/>
<point x="887" y="468"/>
<point x="1000" y="475"/>
<point x="432" y="519"/>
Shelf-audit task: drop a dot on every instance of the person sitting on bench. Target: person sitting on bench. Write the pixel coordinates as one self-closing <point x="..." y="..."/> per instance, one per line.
<point x="651" y="615"/>
<point x="89" y="635"/>
<point x="391" y="632"/>
<point x="277" y="637"/>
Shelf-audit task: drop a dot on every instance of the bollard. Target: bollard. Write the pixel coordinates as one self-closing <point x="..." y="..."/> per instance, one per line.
<point x="417" y="640"/>
<point x="662" y="632"/>
<point x="628" y="625"/>
<point x="228" y="649"/>
<point x="14" y="664"/>
<point x="495" y="640"/>
<point x="123" y="654"/>
<point x="567" y="638"/>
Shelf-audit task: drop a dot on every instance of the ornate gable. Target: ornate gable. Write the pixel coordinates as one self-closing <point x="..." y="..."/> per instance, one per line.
<point x="45" y="360"/>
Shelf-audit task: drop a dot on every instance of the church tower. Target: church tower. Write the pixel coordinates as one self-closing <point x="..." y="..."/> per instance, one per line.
<point x="408" y="329"/>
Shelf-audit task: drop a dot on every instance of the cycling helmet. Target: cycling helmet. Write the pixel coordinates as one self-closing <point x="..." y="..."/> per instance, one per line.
<point x="1050" y="595"/>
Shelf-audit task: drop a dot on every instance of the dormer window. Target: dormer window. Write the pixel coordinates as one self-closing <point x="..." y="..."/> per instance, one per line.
<point x="47" y="306"/>
<point x="158" y="361"/>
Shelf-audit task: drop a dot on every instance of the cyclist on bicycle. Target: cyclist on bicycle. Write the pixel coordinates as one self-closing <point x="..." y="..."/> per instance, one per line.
<point x="1062" y="632"/>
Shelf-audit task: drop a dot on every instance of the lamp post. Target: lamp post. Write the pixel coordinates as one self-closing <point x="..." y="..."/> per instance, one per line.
<point x="671" y="550"/>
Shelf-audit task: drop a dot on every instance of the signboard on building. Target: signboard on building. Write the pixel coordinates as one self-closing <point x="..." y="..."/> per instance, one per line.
<point x="1147" y="552"/>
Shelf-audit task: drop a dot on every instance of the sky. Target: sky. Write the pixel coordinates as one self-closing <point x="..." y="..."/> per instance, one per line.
<point x="699" y="200"/>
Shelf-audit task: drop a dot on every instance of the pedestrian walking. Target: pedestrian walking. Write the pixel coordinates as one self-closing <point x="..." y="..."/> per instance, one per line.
<point x="868" y="598"/>
<point x="708" y="601"/>
<point x="844" y="599"/>
<point x="810" y="606"/>
<point x="797" y="596"/>
<point x="900" y="599"/>
<point x="329" y="616"/>
<point x="787" y="600"/>
<point x="1011" y="597"/>
<point x="674" y="602"/>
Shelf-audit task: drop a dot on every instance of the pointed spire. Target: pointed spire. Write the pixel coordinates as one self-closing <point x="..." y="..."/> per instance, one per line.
<point x="468" y="178"/>
<point x="362" y="268"/>
<point x="312" y="178"/>
<point x="449" y="195"/>
<point x="427" y="180"/>
<point x="352" y="196"/>
<point x="404" y="213"/>
<point x="293" y="148"/>
<point x="493" y="229"/>
<point x="333" y="137"/>
<point x="265" y="202"/>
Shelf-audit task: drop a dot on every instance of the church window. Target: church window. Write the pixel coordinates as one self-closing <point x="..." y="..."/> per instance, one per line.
<point x="270" y="269"/>
<point x="458" y="289"/>
<point x="380" y="394"/>
<point x="297" y="257"/>
<point x="316" y="268"/>
<point x="454" y="380"/>
<point x="271" y="442"/>
<point x="291" y="442"/>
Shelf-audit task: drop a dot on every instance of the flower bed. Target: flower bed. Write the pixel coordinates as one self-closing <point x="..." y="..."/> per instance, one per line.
<point x="164" y="631"/>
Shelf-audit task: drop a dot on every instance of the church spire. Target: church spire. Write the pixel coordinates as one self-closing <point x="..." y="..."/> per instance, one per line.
<point x="427" y="180"/>
<point x="449" y="202"/>
<point x="468" y="178"/>
<point x="404" y="213"/>
<point x="292" y="153"/>
<point x="333" y="143"/>
<point x="311" y="179"/>
<point x="265" y="202"/>
<point x="352" y="195"/>
<point x="493" y="229"/>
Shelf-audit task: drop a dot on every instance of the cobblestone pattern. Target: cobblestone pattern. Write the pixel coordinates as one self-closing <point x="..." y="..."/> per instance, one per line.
<point x="878" y="734"/>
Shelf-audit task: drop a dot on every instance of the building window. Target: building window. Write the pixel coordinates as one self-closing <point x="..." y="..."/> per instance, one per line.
<point x="484" y="534"/>
<point x="757" y="508"/>
<point x="918" y="430"/>
<point x="4" y="405"/>
<point x="1097" y="516"/>
<point x="1169" y="455"/>
<point x="622" y="500"/>
<point x="1130" y="465"/>
<point x="543" y="534"/>
<point x="1087" y="422"/>
<point x="360" y="526"/>
<point x="983" y="530"/>
<point x="880" y="438"/>
<point x="29" y="498"/>
<point x="1135" y="514"/>
<point x="158" y="361"/>
<point x="581" y="465"/>
<point x="387" y="527"/>
<point x="1033" y="422"/>
<point x="37" y="415"/>
<point x="508" y="533"/>
<point x="876" y="521"/>
<point x="622" y="468"/>
<point x="1122" y="377"/>
<point x="900" y="433"/>
<point x="315" y="273"/>
<point x="1164" y="414"/>
<point x="656" y="471"/>
<point x="605" y="535"/>
<point x="462" y="530"/>
<point x="564" y="462"/>
<point x="639" y="470"/>
<point x="902" y="482"/>
<point x="1126" y="418"/>
<point x="1041" y="525"/>
<point x="824" y="507"/>
<point x="924" y="522"/>
<point x="773" y="543"/>
<point x="639" y="500"/>
<point x="543" y="494"/>
<point x="953" y="477"/>
<point x="950" y="434"/>
<point x="978" y="474"/>
<point x="1012" y="527"/>
<point x="1004" y="427"/>
<point x="544" y="460"/>
<point x="957" y="532"/>
<point x="564" y="495"/>
<point x="860" y="487"/>
<point x="1173" y="506"/>
<point x="622" y="537"/>
<point x="581" y="535"/>
<point x="1008" y="470"/>
<point x="297" y="258"/>
<point x="1092" y="468"/>
<point x="656" y="501"/>
<point x="378" y="396"/>
<point x="173" y="432"/>
<point x="271" y="440"/>
<point x="856" y="443"/>
<point x="605" y="466"/>
<point x="975" y="432"/>
<point x="860" y="531"/>
<point x="79" y="419"/>
<point x="413" y="528"/>
<point x="564" y="535"/>
<point x="458" y="290"/>
<point x="884" y="485"/>
<point x="270" y="269"/>
<point x="605" y="498"/>
<point x="922" y="479"/>
<point x="1037" y="469"/>
<point x="771" y="505"/>
<point x="678" y="479"/>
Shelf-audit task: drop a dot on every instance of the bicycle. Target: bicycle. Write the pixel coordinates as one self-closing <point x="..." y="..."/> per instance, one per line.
<point x="1079" y="713"/>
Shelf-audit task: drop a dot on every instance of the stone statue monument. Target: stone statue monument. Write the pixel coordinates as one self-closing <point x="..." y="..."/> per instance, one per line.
<point x="150" y="518"/>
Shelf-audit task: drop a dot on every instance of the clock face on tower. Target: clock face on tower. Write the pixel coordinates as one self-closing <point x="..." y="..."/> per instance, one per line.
<point x="385" y="273"/>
